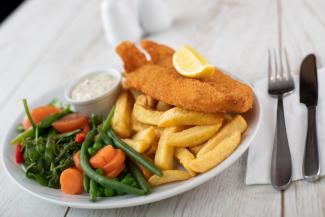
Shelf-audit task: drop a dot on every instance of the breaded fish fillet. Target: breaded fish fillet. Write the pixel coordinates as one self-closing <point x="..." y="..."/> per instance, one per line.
<point x="159" y="79"/>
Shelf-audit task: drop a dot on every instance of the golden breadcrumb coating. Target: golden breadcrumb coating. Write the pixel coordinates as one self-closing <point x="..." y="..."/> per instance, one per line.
<point x="159" y="79"/>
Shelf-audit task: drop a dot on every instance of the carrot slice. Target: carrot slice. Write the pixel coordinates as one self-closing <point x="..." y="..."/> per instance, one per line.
<point x="76" y="160"/>
<point x="70" y="122"/>
<point x="71" y="181"/>
<point x="114" y="173"/>
<point x="103" y="156"/>
<point x="38" y="114"/>
<point x="115" y="162"/>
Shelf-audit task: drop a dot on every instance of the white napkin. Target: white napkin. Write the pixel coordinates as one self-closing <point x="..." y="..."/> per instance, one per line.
<point x="260" y="151"/>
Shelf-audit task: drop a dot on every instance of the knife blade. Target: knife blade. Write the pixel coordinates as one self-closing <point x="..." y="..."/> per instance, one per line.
<point x="308" y="81"/>
<point x="309" y="97"/>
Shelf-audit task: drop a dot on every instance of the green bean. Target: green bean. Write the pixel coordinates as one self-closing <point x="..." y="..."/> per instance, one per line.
<point x="108" y="120"/>
<point x="120" y="192"/>
<point x="28" y="114"/>
<point x="133" y="154"/>
<point x="22" y="136"/>
<point x="138" y="175"/>
<point x="106" y="139"/>
<point x="86" y="182"/>
<point x="48" y="121"/>
<point x="93" y="190"/>
<point x="93" y="120"/>
<point x="71" y="133"/>
<point x="97" y="177"/>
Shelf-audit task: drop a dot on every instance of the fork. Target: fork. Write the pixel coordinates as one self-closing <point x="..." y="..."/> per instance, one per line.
<point x="280" y="84"/>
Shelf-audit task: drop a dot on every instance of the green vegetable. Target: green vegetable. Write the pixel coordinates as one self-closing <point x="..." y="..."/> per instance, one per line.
<point x="109" y="192"/>
<point x="46" y="158"/>
<point x="120" y="192"/>
<point x="106" y="139"/>
<point x="20" y="128"/>
<point x="86" y="182"/>
<point x="133" y="154"/>
<point x="100" y="171"/>
<point x="68" y="148"/>
<point x="46" y="123"/>
<point x="28" y="114"/>
<point x="134" y="184"/>
<point x="100" y="191"/>
<point x="71" y="133"/>
<point x="56" y="103"/>
<point x="138" y="176"/>
<point x="127" y="181"/>
<point x="95" y="120"/>
<point x="22" y="136"/>
<point x="38" y="177"/>
<point x="92" y="151"/>
<point x="97" y="146"/>
<point x="108" y="120"/>
<point x="93" y="190"/>
<point x="102" y="180"/>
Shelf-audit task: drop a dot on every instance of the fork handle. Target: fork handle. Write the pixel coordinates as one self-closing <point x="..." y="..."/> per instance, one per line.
<point x="281" y="168"/>
<point x="311" y="167"/>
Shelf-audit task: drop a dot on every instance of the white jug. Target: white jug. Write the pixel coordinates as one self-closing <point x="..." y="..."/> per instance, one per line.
<point x="121" y="21"/>
<point x="154" y="15"/>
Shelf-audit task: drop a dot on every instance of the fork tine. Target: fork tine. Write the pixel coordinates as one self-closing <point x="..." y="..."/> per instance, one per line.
<point x="276" y="67"/>
<point x="282" y="71"/>
<point x="289" y="74"/>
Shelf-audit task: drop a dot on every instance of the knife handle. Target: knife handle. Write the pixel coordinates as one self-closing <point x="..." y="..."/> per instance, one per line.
<point x="311" y="169"/>
<point x="281" y="168"/>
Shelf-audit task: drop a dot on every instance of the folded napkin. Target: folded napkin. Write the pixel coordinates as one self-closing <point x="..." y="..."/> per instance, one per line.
<point x="260" y="150"/>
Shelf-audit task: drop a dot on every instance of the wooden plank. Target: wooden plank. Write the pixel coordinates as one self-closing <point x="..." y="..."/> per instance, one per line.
<point x="26" y="36"/>
<point x="303" y="32"/>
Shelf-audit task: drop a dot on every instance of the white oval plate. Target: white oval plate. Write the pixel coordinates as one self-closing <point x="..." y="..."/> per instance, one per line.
<point x="82" y="201"/>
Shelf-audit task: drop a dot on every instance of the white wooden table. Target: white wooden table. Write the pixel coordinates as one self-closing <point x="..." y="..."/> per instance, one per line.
<point x="46" y="42"/>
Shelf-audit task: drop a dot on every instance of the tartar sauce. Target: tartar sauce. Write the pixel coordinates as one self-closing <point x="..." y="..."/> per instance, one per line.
<point x="92" y="87"/>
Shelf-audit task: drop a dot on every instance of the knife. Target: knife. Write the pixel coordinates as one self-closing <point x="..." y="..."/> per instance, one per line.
<point x="309" y="97"/>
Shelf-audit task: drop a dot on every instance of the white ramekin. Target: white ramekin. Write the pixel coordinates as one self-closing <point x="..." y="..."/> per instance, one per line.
<point x="99" y="105"/>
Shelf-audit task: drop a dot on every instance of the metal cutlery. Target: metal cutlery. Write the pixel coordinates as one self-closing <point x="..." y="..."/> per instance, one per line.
<point x="280" y="83"/>
<point x="309" y="97"/>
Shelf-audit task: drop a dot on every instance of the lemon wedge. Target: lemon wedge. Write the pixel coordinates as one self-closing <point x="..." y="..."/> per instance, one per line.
<point x="189" y="63"/>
